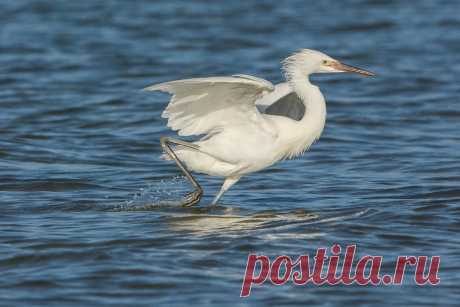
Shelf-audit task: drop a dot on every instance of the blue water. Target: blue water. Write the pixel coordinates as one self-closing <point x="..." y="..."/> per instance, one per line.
<point x="89" y="214"/>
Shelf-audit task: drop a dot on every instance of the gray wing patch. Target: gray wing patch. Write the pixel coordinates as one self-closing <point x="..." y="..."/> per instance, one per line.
<point x="289" y="106"/>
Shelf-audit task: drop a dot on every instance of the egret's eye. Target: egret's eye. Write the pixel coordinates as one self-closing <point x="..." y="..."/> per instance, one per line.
<point x="325" y="62"/>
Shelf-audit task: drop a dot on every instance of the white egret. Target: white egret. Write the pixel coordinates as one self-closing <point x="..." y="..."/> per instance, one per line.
<point x="245" y="123"/>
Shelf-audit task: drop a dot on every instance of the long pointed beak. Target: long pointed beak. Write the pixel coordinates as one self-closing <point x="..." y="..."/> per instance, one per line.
<point x="349" y="68"/>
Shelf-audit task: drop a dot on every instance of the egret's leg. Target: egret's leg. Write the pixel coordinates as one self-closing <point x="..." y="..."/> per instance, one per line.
<point x="229" y="181"/>
<point x="195" y="196"/>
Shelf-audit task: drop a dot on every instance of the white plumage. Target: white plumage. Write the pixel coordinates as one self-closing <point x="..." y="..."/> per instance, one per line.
<point x="244" y="123"/>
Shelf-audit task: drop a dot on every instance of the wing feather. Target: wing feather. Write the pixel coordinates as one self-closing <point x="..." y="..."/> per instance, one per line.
<point x="205" y="105"/>
<point x="283" y="101"/>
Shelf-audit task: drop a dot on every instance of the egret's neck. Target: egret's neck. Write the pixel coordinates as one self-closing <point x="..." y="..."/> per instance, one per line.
<point x="310" y="127"/>
<point x="315" y="106"/>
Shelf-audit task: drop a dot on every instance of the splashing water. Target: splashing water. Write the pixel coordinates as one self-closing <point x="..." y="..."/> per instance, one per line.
<point x="157" y="194"/>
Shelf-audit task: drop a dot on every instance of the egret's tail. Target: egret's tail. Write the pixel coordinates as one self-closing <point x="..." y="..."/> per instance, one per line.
<point x="165" y="156"/>
<point x="177" y="150"/>
<point x="179" y="146"/>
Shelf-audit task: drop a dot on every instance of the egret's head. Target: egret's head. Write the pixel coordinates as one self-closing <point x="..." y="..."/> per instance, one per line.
<point x="310" y="61"/>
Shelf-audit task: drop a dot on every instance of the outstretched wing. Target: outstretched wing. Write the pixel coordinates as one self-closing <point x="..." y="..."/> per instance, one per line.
<point x="283" y="101"/>
<point x="204" y="105"/>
